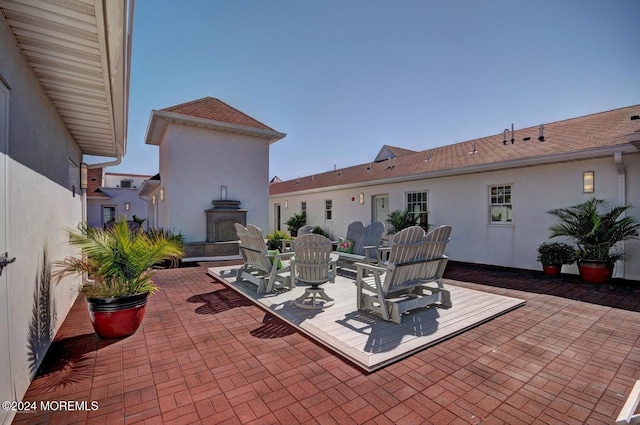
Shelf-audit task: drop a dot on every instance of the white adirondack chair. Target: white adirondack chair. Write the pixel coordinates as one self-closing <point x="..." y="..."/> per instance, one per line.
<point x="366" y="244"/>
<point x="267" y="271"/>
<point x="313" y="264"/>
<point x="405" y="282"/>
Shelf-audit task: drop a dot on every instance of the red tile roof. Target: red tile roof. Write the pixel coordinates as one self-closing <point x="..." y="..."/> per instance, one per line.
<point x="216" y="110"/>
<point x="572" y="136"/>
<point x="94" y="181"/>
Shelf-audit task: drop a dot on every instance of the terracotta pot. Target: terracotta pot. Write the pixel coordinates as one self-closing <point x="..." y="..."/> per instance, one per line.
<point x="595" y="271"/>
<point x="551" y="270"/>
<point x="117" y="317"/>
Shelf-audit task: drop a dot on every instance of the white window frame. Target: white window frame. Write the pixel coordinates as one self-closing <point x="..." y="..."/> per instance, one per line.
<point x="303" y="206"/>
<point x="501" y="200"/>
<point x="115" y="213"/>
<point x="411" y="204"/>
<point x="328" y="209"/>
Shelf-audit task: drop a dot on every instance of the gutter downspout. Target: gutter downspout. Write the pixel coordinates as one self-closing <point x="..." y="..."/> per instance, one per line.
<point x="117" y="161"/>
<point x="622" y="200"/>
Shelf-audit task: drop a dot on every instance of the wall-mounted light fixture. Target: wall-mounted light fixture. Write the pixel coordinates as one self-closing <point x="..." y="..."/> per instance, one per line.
<point x="223" y="192"/>
<point x="84" y="181"/>
<point x="588" y="182"/>
<point x="162" y="194"/>
<point x="361" y="198"/>
<point x="286" y="204"/>
<point x="153" y="199"/>
<point x="127" y="206"/>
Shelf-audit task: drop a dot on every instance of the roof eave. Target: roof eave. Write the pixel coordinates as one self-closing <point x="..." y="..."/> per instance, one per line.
<point x="496" y="166"/>
<point x="161" y="119"/>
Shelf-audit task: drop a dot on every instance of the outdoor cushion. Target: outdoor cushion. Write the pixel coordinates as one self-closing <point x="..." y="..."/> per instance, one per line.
<point x="345" y="245"/>
<point x="272" y="256"/>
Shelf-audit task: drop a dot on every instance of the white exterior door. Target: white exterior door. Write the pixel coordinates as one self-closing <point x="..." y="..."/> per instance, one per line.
<point x="381" y="209"/>
<point x="6" y="381"/>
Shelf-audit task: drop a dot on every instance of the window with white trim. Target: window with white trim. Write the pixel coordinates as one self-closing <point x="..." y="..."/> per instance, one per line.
<point x="108" y="214"/>
<point x="500" y="206"/>
<point x="328" y="209"/>
<point x="417" y="206"/>
<point x="303" y="206"/>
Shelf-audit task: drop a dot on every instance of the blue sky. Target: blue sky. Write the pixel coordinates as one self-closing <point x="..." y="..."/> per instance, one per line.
<point x="342" y="78"/>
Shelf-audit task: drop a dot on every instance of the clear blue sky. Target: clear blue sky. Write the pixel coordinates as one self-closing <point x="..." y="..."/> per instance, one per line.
<point x="343" y="77"/>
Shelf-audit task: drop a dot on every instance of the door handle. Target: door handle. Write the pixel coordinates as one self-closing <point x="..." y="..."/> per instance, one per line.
<point x="5" y="261"/>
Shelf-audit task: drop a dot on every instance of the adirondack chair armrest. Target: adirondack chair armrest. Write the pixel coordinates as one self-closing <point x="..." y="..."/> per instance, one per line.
<point x="371" y="252"/>
<point x="283" y="255"/>
<point x="361" y="267"/>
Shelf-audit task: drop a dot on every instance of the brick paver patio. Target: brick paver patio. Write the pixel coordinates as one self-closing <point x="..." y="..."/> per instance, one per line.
<point x="205" y="355"/>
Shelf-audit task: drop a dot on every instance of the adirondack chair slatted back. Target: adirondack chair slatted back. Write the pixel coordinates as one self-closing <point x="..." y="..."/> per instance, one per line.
<point x="305" y="230"/>
<point x="312" y="258"/>
<point x="372" y="236"/>
<point x="438" y="238"/>
<point x="253" y="246"/>
<point x="407" y="265"/>
<point x="362" y="235"/>
<point x="355" y="232"/>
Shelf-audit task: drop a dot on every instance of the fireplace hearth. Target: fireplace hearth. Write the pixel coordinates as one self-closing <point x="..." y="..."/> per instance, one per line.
<point x="222" y="218"/>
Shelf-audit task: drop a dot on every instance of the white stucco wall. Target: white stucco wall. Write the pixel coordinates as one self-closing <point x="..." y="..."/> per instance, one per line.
<point x="195" y="162"/>
<point x="40" y="203"/>
<point x="463" y="202"/>
<point x="118" y="198"/>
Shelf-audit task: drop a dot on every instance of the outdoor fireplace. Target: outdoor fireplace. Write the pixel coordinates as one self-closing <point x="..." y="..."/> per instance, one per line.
<point x="222" y="218"/>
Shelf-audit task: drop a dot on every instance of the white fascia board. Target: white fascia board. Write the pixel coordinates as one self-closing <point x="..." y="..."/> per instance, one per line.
<point x="496" y="166"/>
<point x="160" y="119"/>
<point x="148" y="187"/>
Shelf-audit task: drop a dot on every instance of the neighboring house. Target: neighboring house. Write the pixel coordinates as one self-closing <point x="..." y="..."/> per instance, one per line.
<point x="494" y="192"/>
<point x="64" y="77"/>
<point x="209" y="151"/>
<point x="111" y="196"/>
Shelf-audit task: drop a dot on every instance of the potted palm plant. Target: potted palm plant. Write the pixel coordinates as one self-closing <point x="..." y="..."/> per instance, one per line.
<point x="118" y="260"/>
<point x="554" y="255"/>
<point x="596" y="227"/>
<point x="295" y="222"/>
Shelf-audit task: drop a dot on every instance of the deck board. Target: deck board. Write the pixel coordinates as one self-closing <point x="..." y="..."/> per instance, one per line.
<point x="365" y="338"/>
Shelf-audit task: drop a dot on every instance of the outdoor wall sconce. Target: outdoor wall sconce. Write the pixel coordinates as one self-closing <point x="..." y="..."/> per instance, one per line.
<point x="223" y="192"/>
<point x="162" y="194"/>
<point x="587" y="182"/>
<point x="286" y="204"/>
<point x="127" y="206"/>
<point x="153" y="199"/>
<point x="361" y="198"/>
<point x="84" y="180"/>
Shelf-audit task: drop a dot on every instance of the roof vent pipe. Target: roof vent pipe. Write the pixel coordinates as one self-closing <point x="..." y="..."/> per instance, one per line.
<point x="541" y="133"/>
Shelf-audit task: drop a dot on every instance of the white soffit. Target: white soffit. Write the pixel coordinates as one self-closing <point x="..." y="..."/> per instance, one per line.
<point x="80" y="51"/>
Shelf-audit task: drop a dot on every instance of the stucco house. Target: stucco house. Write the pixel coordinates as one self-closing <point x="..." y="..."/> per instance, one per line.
<point x="111" y="196"/>
<point x="64" y="78"/>
<point x="209" y="152"/>
<point x="494" y="190"/>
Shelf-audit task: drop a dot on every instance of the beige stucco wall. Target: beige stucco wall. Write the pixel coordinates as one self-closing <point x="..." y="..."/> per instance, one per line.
<point x="40" y="204"/>
<point x="195" y="162"/>
<point x="462" y="201"/>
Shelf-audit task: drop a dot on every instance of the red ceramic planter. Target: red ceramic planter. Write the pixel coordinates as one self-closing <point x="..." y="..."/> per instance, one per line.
<point x="551" y="270"/>
<point x="594" y="272"/>
<point x="117" y="317"/>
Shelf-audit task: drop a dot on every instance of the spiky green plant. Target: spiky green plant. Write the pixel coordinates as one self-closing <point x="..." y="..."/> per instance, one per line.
<point x="596" y="227"/>
<point x="117" y="259"/>
<point x="400" y="220"/>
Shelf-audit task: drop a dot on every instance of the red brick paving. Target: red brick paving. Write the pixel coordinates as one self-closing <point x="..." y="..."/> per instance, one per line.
<point x="205" y="355"/>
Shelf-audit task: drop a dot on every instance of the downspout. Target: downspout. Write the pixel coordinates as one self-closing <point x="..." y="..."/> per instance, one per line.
<point x="118" y="160"/>
<point x="622" y="200"/>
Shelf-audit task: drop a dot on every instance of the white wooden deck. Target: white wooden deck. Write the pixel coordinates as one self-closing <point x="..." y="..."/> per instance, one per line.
<point x="364" y="338"/>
